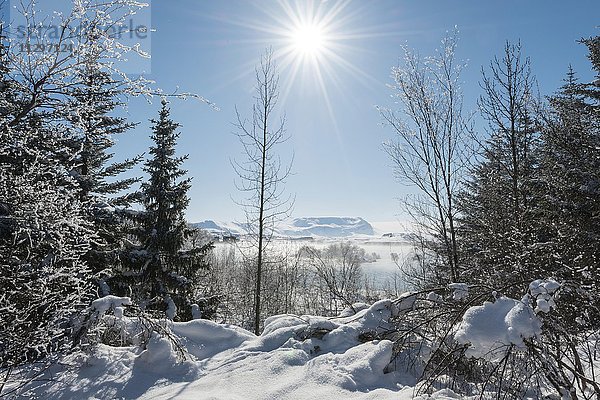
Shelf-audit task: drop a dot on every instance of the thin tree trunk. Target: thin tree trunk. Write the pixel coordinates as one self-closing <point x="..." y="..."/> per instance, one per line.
<point x="261" y="221"/>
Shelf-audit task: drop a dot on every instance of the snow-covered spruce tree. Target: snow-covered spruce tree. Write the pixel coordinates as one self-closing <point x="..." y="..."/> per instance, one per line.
<point x="44" y="229"/>
<point x="571" y="207"/>
<point x="498" y="232"/>
<point x="44" y="82"/>
<point x="521" y="221"/>
<point x="93" y="99"/>
<point x="262" y="173"/>
<point x="44" y="281"/>
<point x="159" y="273"/>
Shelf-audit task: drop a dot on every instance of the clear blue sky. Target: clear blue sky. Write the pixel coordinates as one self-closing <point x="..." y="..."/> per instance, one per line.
<point x="211" y="47"/>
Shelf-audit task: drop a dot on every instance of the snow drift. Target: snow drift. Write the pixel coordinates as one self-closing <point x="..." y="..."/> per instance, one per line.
<point x="296" y="357"/>
<point x="300" y="356"/>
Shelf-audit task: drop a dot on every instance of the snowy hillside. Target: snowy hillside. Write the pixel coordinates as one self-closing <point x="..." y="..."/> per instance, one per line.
<point x="219" y="228"/>
<point x="325" y="227"/>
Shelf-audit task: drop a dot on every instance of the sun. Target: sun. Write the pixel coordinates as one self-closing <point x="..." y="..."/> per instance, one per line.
<point x="308" y="40"/>
<point x="315" y="44"/>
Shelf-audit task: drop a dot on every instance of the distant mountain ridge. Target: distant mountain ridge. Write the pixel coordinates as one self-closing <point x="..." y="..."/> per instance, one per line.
<point x="220" y="228"/>
<point x="328" y="227"/>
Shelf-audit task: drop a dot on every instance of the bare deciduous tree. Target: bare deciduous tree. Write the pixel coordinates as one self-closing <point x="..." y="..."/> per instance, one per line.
<point x="501" y="230"/>
<point x="508" y="104"/>
<point x="83" y="34"/>
<point x="262" y="173"/>
<point x="431" y="141"/>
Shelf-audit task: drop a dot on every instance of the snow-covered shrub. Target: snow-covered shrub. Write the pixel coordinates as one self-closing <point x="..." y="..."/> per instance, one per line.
<point x="492" y="329"/>
<point x="461" y="291"/>
<point x="44" y="282"/>
<point x="116" y="321"/>
<point x="487" y="344"/>
<point x="105" y="322"/>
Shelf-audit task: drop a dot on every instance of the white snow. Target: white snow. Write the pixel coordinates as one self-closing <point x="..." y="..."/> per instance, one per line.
<point x="103" y="304"/>
<point x="203" y="338"/>
<point x="296" y="357"/>
<point x="118" y="311"/>
<point x="492" y="329"/>
<point x="327" y="227"/>
<point x="220" y="227"/>
<point x="171" y="308"/>
<point x="546" y="286"/>
<point x="543" y="291"/>
<point x="542" y="305"/>
<point x="317" y="227"/>
<point x="461" y="291"/>
<point x="406" y="302"/>
<point x="434" y="297"/>
<point x="196" y="312"/>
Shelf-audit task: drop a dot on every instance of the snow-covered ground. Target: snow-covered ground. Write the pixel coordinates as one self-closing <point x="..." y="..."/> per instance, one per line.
<point x="296" y="357"/>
